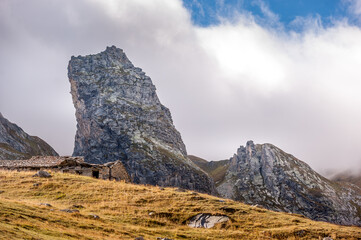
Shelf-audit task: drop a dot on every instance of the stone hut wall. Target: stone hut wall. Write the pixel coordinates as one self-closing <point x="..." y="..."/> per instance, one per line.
<point x="118" y="172"/>
<point x="74" y="165"/>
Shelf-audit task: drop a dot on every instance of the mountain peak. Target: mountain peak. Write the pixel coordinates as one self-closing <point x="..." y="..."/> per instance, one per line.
<point x="265" y="175"/>
<point x="120" y="117"/>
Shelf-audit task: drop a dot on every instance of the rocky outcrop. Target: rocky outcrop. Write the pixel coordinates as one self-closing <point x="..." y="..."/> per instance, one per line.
<point x="265" y="175"/>
<point x="206" y="220"/>
<point x="120" y="117"/>
<point x="17" y="144"/>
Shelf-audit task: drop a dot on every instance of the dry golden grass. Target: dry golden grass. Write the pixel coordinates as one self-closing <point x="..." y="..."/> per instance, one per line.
<point x="124" y="212"/>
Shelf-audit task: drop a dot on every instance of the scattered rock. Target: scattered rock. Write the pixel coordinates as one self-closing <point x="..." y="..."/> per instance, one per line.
<point x="159" y="238"/>
<point x="42" y="174"/>
<point x="205" y="220"/>
<point x="46" y="204"/>
<point x="327" y="238"/>
<point x="139" y="238"/>
<point x="194" y="193"/>
<point x="69" y="210"/>
<point x="94" y="216"/>
<point x="37" y="184"/>
<point x="2" y="191"/>
<point x="151" y="213"/>
<point x="77" y="206"/>
<point x="161" y="188"/>
<point x="180" y="190"/>
<point x="222" y="201"/>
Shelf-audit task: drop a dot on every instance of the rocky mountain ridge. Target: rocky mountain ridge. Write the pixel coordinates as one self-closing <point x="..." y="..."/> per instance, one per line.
<point x="265" y="175"/>
<point x="17" y="144"/>
<point x="120" y="117"/>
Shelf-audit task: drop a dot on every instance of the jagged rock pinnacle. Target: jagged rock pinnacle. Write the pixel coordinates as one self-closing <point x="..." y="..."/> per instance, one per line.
<point x="120" y="117"/>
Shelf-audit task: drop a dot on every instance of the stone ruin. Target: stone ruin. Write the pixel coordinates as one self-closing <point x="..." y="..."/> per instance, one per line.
<point x="75" y="165"/>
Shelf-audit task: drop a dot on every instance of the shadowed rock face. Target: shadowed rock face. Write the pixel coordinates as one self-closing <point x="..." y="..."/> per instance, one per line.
<point x="17" y="144"/>
<point x="120" y="117"/>
<point x="263" y="174"/>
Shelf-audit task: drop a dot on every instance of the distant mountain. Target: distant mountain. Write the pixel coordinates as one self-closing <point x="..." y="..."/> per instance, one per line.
<point x="216" y="169"/>
<point x="265" y="175"/>
<point x="17" y="144"/>
<point x="120" y="117"/>
<point x="349" y="177"/>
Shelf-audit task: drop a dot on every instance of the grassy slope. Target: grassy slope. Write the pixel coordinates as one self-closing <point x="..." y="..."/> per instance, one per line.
<point x="216" y="169"/>
<point x="124" y="212"/>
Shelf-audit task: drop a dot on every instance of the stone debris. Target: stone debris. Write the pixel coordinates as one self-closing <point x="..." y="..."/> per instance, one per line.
<point x="45" y="204"/>
<point x="94" y="216"/>
<point x="204" y="220"/>
<point x="42" y="174"/>
<point x="77" y="206"/>
<point x="69" y="210"/>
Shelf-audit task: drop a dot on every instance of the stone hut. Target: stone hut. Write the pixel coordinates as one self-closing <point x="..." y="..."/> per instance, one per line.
<point x="75" y="165"/>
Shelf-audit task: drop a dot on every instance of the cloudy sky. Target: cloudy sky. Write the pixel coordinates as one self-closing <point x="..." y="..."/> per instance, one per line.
<point x="277" y="71"/>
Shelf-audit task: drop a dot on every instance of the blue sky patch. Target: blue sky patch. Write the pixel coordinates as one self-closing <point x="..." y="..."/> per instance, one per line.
<point x="205" y="13"/>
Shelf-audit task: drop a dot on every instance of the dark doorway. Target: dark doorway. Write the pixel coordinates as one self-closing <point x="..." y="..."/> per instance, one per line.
<point x="96" y="174"/>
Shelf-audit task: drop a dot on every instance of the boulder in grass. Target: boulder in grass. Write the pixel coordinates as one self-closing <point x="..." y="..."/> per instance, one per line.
<point x="42" y="174"/>
<point x="205" y="220"/>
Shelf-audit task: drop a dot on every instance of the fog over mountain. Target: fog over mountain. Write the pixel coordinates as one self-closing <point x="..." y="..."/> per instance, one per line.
<point x="224" y="84"/>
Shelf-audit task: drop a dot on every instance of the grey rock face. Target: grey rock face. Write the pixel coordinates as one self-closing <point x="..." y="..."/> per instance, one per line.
<point x="17" y="144"/>
<point x="265" y="175"/>
<point x="121" y="118"/>
<point x="205" y="220"/>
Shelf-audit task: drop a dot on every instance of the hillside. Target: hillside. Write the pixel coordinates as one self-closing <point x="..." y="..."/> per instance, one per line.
<point x="216" y="169"/>
<point x="17" y="144"/>
<point x="348" y="176"/>
<point x="128" y="211"/>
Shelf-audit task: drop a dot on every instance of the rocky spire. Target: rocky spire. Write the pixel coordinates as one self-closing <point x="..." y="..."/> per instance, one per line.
<point x="120" y="117"/>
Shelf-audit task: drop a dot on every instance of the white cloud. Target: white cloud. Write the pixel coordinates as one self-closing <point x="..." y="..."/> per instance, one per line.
<point x="354" y="6"/>
<point x="224" y="84"/>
